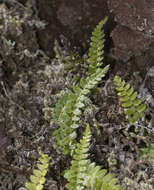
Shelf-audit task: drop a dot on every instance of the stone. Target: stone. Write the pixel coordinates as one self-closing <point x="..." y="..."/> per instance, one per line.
<point x="135" y="22"/>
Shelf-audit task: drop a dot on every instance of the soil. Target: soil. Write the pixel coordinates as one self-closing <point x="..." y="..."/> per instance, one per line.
<point x="33" y="78"/>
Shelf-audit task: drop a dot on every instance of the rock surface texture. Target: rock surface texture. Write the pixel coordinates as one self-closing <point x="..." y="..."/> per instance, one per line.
<point x="134" y="32"/>
<point x="71" y="19"/>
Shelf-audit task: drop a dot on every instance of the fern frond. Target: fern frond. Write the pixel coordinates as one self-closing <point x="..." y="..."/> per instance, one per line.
<point x="134" y="108"/>
<point x="82" y="92"/>
<point x="98" y="179"/>
<point x="68" y="110"/>
<point x="86" y="175"/>
<point x="147" y="153"/>
<point x="37" y="180"/>
<point x="77" y="174"/>
<point x="96" y="52"/>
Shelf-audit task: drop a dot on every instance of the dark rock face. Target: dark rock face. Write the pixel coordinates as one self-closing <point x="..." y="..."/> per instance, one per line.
<point x="127" y="42"/>
<point x="71" y="13"/>
<point x="145" y="61"/>
<point x="137" y="16"/>
<point x="135" y="22"/>
<point x="73" y="19"/>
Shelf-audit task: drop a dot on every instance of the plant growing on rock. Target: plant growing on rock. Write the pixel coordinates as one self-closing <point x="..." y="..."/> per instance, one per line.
<point x="68" y="110"/>
<point x="83" y="174"/>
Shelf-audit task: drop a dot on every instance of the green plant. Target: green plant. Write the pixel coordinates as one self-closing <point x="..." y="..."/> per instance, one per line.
<point x="134" y="108"/>
<point x="96" y="50"/>
<point x="147" y="153"/>
<point x="37" y="180"/>
<point x="77" y="173"/>
<point x="99" y="179"/>
<point x="86" y="175"/>
<point x="67" y="113"/>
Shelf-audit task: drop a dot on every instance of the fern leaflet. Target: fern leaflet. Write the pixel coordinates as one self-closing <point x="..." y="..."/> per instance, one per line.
<point x="134" y="108"/>
<point x="96" y="52"/>
<point x="37" y="180"/>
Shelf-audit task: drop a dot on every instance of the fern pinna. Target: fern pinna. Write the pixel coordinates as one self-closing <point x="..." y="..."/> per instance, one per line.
<point x="96" y="50"/>
<point x="67" y="112"/>
<point x="37" y="180"/>
<point x="134" y="108"/>
<point x="86" y="175"/>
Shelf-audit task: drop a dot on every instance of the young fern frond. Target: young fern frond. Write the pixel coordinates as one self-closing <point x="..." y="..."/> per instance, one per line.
<point x="86" y="175"/>
<point x="37" y="180"/>
<point x="134" y="108"/>
<point x="96" y="51"/>
<point x="68" y="110"/>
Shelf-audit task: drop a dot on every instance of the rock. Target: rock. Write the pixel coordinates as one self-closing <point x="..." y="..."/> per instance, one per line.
<point x="74" y="20"/>
<point x="135" y="22"/>
<point x="128" y="43"/>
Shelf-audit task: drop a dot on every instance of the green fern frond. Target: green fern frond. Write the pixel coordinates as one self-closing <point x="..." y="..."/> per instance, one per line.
<point x="82" y="92"/>
<point x="134" y="108"/>
<point x="77" y="174"/>
<point x="37" y="180"/>
<point x="96" y="52"/>
<point x="98" y="179"/>
<point x="86" y="175"/>
<point x="68" y="110"/>
<point x="147" y="153"/>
